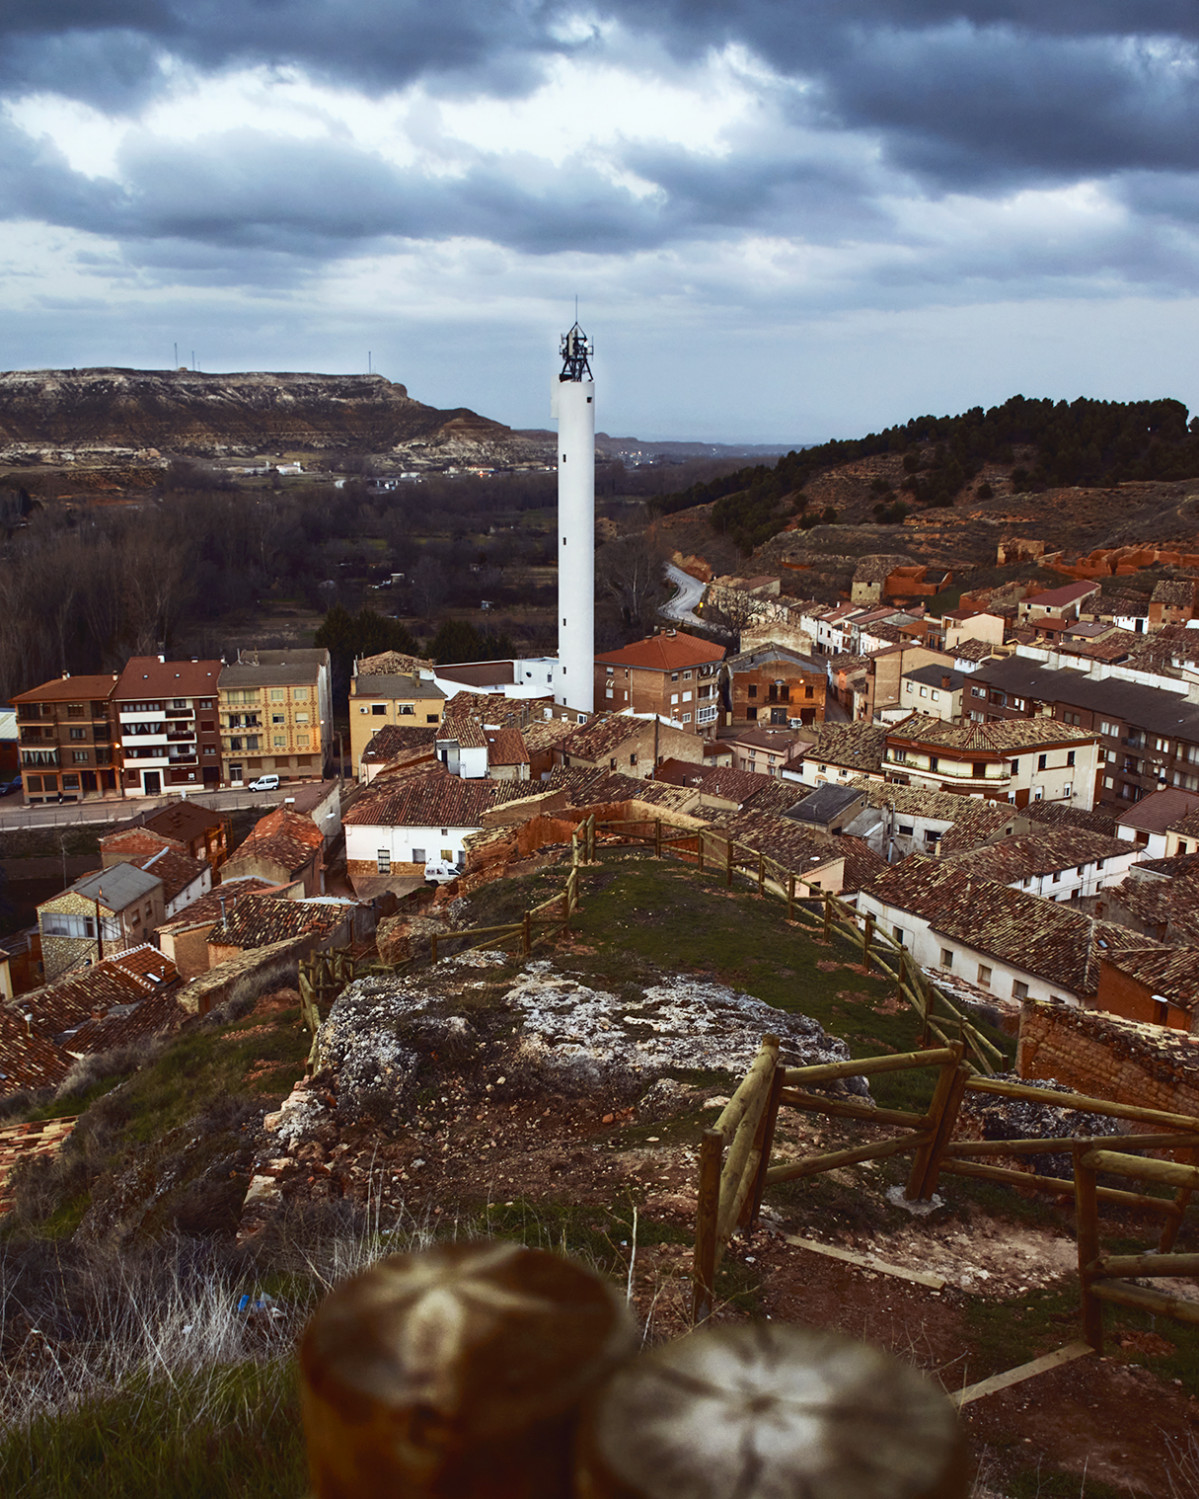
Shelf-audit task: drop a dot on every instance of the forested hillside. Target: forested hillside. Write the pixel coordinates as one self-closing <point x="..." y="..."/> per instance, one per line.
<point x="1043" y="443"/>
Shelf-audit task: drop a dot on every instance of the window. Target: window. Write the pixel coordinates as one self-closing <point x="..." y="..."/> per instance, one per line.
<point x="924" y="692"/>
<point x="1069" y="757"/>
<point x="1068" y="789"/>
<point x="686" y="676"/>
<point x="1042" y="761"/>
<point x="278" y="740"/>
<point x="278" y="718"/>
<point x="674" y="676"/>
<point x="1015" y="767"/>
<point x="751" y="690"/>
<point x="946" y="957"/>
<point x="686" y="718"/>
<point x="383" y="860"/>
<point x="900" y="935"/>
<point x="1019" y="989"/>
<point x="418" y="856"/>
<point x="984" y="976"/>
<point x="1057" y="876"/>
<point x="1109" y="728"/>
<point x="78" y="733"/>
<point x="378" y="709"/>
<point x="79" y="757"/>
<point x="936" y="696"/>
<point x="278" y="694"/>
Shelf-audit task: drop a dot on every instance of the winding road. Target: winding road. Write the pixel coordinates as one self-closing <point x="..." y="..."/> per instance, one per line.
<point x="690" y="592"/>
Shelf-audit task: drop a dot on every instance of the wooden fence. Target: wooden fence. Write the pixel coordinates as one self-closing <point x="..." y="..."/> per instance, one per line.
<point x="716" y="852"/>
<point x="730" y="1197"/>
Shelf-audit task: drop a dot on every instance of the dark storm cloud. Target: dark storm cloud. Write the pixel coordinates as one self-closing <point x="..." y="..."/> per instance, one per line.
<point x="984" y="94"/>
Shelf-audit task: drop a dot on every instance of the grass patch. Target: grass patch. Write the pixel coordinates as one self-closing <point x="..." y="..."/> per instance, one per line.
<point x="219" y="1433"/>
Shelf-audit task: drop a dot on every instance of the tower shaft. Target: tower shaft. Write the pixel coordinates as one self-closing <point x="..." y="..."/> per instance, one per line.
<point x="574" y="406"/>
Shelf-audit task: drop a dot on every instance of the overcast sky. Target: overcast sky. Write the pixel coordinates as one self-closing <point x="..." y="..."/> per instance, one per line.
<point x="784" y="219"/>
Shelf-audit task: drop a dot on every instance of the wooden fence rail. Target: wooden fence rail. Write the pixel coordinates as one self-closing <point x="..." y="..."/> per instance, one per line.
<point x="727" y="1200"/>
<point x="1103" y="1278"/>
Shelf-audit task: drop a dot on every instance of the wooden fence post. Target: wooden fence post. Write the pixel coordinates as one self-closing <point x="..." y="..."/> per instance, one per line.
<point x="1086" y="1231"/>
<point x="433" y="945"/>
<point x="764" y="1138"/>
<point x="1173" y="1223"/>
<point x="867" y="937"/>
<point x="942" y="1116"/>
<point x="711" y="1151"/>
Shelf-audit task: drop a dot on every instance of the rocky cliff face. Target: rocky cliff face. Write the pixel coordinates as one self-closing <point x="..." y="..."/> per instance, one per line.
<point x="184" y="411"/>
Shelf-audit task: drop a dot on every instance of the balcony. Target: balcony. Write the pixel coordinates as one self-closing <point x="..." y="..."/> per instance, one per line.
<point x="39" y="757"/>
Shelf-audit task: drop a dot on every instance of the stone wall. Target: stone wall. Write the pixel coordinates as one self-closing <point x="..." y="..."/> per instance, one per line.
<point x="252" y="973"/>
<point x="1108" y="1057"/>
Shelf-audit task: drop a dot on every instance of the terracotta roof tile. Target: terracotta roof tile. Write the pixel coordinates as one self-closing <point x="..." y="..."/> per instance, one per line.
<point x="394" y="739"/>
<point x="1033" y="935"/>
<point x="69" y="690"/>
<point x="672" y="650"/>
<point x="260" y="920"/>
<point x="426" y="798"/>
<point x="28" y="1061"/>
<point x="285" y="837"/>
<point x="1047" y="851"/>
<point x="148" y="677"/>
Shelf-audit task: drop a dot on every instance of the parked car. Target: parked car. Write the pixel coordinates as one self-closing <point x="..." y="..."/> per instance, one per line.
<point x="265" y="783"/>
<point x="8" y="787"/>
<point x="441" y="872"/>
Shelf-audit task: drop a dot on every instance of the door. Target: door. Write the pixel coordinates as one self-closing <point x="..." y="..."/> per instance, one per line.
<point x="151" y="782"/>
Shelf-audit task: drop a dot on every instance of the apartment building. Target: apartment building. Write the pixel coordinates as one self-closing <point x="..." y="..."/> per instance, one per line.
<point x="674" y="675"/>
<point x="1148" y="736"/>
<point x="166" y="716"/>
<point x="1017" y="761"/>
<point x="66" y="734"/>
<point x="276" y="715"/>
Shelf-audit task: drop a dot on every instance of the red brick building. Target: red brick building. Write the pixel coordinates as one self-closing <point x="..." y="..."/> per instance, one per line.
<point x="67" y="730"/>
<point x="774" y="685"/>
<point x="672" y="674"/>
<point x="168" y="725"/>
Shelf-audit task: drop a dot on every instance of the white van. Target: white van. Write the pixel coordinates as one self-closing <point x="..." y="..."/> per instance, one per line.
<point x="265" y="783"/>
<point x="441" y="872"/>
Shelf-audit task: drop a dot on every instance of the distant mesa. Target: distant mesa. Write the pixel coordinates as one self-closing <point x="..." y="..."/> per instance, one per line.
<point x="212" y="415"/>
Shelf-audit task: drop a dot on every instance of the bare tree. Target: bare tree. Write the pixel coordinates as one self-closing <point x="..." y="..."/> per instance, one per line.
<point x="629" y="570"/>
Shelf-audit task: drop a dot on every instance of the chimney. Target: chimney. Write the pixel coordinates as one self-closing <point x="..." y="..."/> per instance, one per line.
<point x="945" y="682"/>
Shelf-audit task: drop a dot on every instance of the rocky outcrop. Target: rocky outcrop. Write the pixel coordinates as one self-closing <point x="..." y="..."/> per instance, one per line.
<point x="210" y="415"/>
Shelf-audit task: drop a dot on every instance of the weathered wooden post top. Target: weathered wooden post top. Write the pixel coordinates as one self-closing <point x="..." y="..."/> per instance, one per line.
<point x="487" y="1371"/>
<point x="456" y="1373"/>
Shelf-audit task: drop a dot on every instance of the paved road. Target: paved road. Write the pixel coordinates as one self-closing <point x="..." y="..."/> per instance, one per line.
<point x="690" y="592"/>
<point x="121" y="809"/>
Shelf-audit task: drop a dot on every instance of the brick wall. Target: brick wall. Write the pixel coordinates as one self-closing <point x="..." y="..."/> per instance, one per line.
<point x="1109" y="1057"/>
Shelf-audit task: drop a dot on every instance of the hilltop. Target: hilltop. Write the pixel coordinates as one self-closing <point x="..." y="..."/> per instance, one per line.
<point x="220" y="415"/>
<point x="948" y="489"/>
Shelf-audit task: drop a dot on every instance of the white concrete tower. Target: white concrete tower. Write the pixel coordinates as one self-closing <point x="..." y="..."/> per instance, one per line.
<point x="574" y="405"/>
